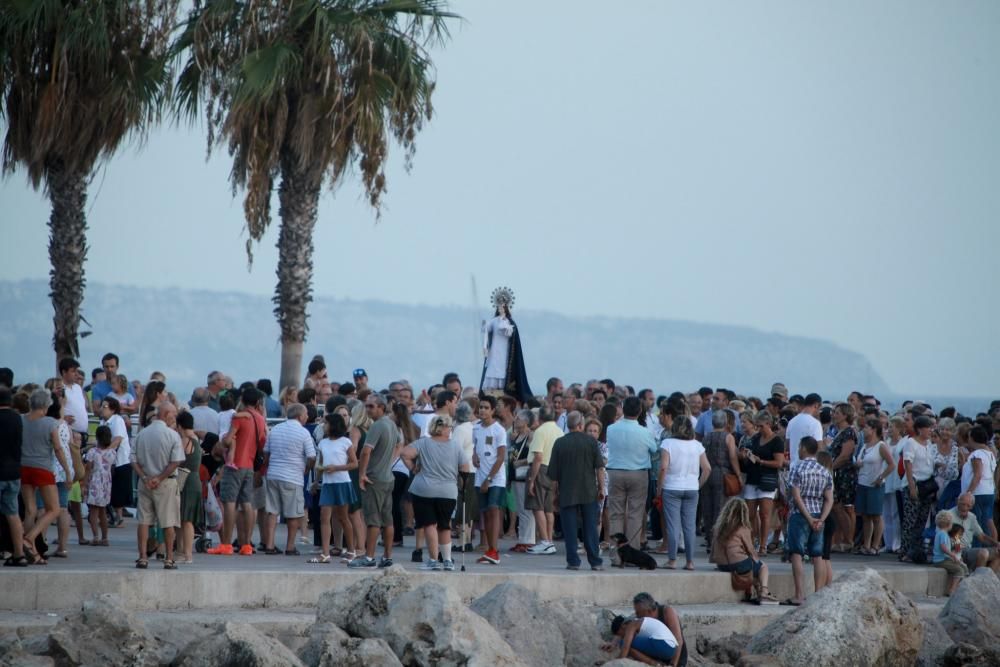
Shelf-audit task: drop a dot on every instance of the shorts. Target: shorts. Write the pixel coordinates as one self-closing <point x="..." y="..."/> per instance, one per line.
<point x="433" y="511"/>
<point x="333" y="495"/>
<point x="953" y="569"/>
<point x="236" y="486"/>
<point x="37" y="476"/>
<point x="160" y="506"/>
<point x="657" y="649"/>
<point x="9" y="491"/>
<point x="753" y="492"/>
<point x="285" y="498"/>
<point x="802" y="539"/>
<point x="258" y="497"/>
<point x="495" y="497"/>
<point x="868" y="500"/>
<point x="983" y="509"/>
<point x="541" y="501"/>
<point x="376" y="503"/>
<point x="969" y="556"/>
<point x="743" y="567"/>
<point x="63" y="491"/>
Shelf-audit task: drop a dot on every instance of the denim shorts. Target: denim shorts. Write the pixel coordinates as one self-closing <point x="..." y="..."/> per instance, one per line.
<point x="657" y="649"/>
<point x="983" y="509"/>
<point x="9" y="491"/>
<point x="742" y="567"/>
<point x="802" y="539"/>
<point x="495" y="497"/>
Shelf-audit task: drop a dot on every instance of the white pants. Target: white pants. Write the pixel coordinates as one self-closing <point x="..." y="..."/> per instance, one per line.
<point x="525" y="518"/>
<point x="890" y="522"/>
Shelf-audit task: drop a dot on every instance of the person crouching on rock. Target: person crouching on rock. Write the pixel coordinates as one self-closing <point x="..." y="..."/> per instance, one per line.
<point x="645" y="606"/>
<point x="645" y="639"/>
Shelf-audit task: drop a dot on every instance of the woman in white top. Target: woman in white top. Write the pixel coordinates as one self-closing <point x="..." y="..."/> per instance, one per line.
<point x="920" y="490"/>
<point x="979" y="478"/>
<point x="684" y="469"/>
<point x="336" y="458"/>
<point x="891" y="501"/>
<point x="874" y="465"/>
<point x="62" y="482"/>
<point x="468" y="498"/>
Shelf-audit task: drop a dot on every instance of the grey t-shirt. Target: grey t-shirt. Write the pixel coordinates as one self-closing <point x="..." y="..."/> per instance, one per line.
<point x="438" y="474"/>
<point x="156" y="447"/>
<point x="36" y="442"/>
<point x="205" y="419"/>
<point x="382" y="438"/>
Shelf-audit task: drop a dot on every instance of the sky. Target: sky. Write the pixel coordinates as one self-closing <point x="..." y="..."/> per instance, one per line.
<point x="829" y="170"/>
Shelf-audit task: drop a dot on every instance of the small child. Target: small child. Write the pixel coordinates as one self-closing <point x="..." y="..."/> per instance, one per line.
<point x="226" y="411"/>
<point x="100" y="462"/>
<point x="121" y="393"/>
<point x="948" y="550"/>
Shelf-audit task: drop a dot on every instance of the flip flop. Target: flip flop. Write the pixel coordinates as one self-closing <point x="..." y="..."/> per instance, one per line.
<point x="141" y="564"/>
<point x="789" y="602"/>
<point x="61" y="554"/>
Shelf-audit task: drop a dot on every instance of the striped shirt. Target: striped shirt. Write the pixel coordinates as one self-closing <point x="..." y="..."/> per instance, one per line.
<point x="289" y="446"/>
<point x="812" y="480"/>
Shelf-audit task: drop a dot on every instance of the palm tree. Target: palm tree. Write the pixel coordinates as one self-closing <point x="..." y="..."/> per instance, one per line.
<point x="303" y="90"/>
<point x="76" y="78"/>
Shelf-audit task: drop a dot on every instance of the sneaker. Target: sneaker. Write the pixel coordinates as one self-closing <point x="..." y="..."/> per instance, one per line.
<point x="437" y="565"/>
<point x="246" y="550"/>
<point x="448" y="565"/>
<point x="417" y="556"/>
<point x="385" y="562"/>
<point x="221" y="550"/>
<point x="493" y="557"/>
<point x="362" y="561"/>
<point x="540" y="549"/>
<point x="429" y="565"/>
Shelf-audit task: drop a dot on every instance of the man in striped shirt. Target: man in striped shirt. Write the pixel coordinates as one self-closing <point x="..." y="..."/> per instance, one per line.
<point x="288" y="454"/>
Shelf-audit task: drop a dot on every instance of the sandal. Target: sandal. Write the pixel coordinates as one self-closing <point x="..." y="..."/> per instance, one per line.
<point x="336" y="551"/>
<point x="141" y="564"/>
<point x="169" y="565"/>
<point x="33" y="557"/>
<point x="17" y="561"/>
<point x="292" y="552"/>
<point x="348" y="556"/>
<point x="765" y="597"/>
<point x="274" y="551"/>
<point x="83" y="543"/>
<point x="320" y="559"/>
<point x="61" y="554"/>
<point x="101" y="543"/>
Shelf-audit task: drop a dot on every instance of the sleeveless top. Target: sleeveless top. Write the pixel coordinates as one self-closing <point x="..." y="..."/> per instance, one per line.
<point x="946" y="465"/>
<point x="717" y="453"/>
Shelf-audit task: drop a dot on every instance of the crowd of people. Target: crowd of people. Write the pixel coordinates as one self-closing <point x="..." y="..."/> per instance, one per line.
<point x="618" y="471"/>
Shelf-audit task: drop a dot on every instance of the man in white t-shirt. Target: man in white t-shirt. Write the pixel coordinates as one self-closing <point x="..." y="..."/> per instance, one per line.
<point x="75" y="410"/>
<point x="804" y="424"/>
<point x="489" y="457"/>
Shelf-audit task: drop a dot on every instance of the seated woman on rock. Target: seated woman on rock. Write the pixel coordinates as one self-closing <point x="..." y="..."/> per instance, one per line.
<point x="644" y="639"/>
<point x="733" y="550"/>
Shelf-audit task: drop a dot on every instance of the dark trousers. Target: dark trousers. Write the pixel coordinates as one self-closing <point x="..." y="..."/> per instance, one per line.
<point x="571" y="517"/>
<point x="400" y="484"/>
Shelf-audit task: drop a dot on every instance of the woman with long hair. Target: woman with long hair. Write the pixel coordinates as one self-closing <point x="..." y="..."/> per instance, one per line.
<point x="408" y="432"/>
<point x="190" y="493"/>
<point x="845" y="477"/>
<point x="121" y="477"/>
<point x="733" y="549"/>
<point x="336" y="459"/>
<point x="151" y="396"/>
<point x="360" y="423"/>
<point x="892" y="499"/>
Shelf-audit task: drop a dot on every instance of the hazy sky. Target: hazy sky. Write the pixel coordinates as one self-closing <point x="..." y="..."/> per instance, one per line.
<point x="829" y="170"/>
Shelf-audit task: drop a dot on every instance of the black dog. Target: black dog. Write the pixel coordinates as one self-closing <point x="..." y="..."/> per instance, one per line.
<point x="630" y="555"/>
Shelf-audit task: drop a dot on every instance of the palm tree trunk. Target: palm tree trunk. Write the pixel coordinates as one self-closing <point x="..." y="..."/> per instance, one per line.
<point x="67" y="254"/>
<point x="299" y="199"/>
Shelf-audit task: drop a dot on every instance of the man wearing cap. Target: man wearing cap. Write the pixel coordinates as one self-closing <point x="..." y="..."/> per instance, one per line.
<point x="962" y="515"/>
<point x="360" y="379"/>
<point x="778" y="390"/>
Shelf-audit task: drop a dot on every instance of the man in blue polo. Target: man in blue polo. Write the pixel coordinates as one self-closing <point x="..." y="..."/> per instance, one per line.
<point x="630" y="446"/>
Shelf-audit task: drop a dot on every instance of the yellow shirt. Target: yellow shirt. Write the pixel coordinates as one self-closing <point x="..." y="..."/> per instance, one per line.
<point x="544" y="437"/>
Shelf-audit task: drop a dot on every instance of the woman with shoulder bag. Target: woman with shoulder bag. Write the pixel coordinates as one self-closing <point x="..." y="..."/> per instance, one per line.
<point x="765" y="458"/>
<point x="919" y="490"/>
<point x="733" y="552"/>
<point x="524" y="420"/>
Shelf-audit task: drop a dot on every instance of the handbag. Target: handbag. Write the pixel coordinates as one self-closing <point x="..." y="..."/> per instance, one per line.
<point x="927" y="489"/>
<point x="182" y="475"/>
<point x="731" y="484"/>
<point x="521" y="473"/>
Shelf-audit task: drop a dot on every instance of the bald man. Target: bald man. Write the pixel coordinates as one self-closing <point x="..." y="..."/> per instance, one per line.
<point x="975" y="556"/>
<point x="156" y="454"/>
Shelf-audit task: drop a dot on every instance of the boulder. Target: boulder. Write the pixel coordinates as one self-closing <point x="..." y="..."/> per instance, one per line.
<point x="530" y="629"/>
<point x="237" y="645"/>
<point x="359" y="607"/>
<point x="972" y="614"/>
<point x="857" y="620"/>
<point x="430" y="625"/>
<point x="320" y="637"/>
<point x="103" y="634"/>
<point x="584" y="629"/>
<point x="936" y="642"/>
<point x="624" y="662"/>
<point x="722" y="650"/>
<point x="759" y="661"/>
<point x="14" y="654"/>
<point x="355" y="652"/>
<point x="967" y="655"/>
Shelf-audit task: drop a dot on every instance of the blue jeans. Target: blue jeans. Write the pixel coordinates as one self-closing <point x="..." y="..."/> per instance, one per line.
<point x="681" y="508"/>
<point x="568" y="516"/>
<point x="802" y="539"/>
<point x="657" y="649"/>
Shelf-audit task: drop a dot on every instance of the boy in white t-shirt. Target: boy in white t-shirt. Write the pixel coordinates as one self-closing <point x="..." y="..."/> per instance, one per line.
<point x="489" y="457"/>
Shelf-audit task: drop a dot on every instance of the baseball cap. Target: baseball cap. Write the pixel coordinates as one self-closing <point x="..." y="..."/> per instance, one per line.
<point x="360" y="373"/>
<point x="778" y="389"/>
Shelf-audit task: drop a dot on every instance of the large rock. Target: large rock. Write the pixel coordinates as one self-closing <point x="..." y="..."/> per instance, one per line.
<point x="237" y="645"/>
<point x="14" y="654"/>
<point x="356" y="652"/>
<point x="584" y="629"/>
<point x="624" y="662"/>
<point x="936" y="642"/>
<point x="967" y="655"/>
<point x="358" y="608"/>
<point x="857" y="620"/>
<point x="430" y="625"/>
<point x="322" y="637"/>
<point x="721" y="650"/>
<point x="972" y="614"/>
<point x="103" y="634"/>
<point x="530" y="629"/>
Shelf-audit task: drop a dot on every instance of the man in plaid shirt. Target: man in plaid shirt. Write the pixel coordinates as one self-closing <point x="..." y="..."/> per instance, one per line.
<point x="812" y="499"/>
